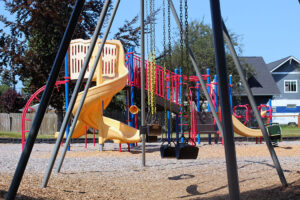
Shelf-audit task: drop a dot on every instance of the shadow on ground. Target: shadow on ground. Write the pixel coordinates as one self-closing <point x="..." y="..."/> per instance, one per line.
<point x="292" y="192"/>
<point x="23" y="197"/>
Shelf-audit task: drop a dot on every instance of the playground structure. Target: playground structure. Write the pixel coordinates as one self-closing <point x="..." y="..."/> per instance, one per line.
<point x="226" y="129"/>
<point x="244" y="114"/>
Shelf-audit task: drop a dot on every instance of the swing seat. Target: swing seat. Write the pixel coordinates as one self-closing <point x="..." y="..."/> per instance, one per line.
<point x="167" y="151"/>
<point x="154" y="130"/>
<point x="186" y="151"/>
<point x="150" y="138"/>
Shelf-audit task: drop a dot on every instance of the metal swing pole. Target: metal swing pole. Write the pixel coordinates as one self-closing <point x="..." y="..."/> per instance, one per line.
<point x="44" y="100"/>
<point x="88" y="83"/>
<point x="74" y="95"/>
<point x="230" y="154"/>
<point x="254" y="106"/>
<point x="228" y="141"/>
<point x="192" y="57"/>
<point x="143" y="120"/>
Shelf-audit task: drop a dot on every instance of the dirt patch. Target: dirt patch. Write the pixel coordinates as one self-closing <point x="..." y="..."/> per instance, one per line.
<point x="90" y="174"/>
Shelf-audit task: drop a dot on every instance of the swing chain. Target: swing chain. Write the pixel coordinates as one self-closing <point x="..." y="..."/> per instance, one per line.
<point x="164" y="27"/>
<point x="181" y="39"/>
<point x="165" y="100"/>
<point x="187" y="67"/>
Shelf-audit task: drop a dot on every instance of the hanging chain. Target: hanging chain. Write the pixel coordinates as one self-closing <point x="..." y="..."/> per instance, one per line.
<point x="151" y="25"/>
<point x="147" y="28"/>
<point x="153" y="10"/>
<point x="169" y="32"/>
<point x="154" y="62"/>
<point x="164" y="81"/>
<point x="148" y="56"/>
<point x="186" y="61"/>
<point x="187" y="34"/>
<point x="164" y="28"/>
<point x="181" y="39"/>
<point x="170" y="61"/>
<point x="165" y="99"/>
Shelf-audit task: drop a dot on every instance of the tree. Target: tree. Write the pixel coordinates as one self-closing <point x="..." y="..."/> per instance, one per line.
<point x="34" y="37"/>
<point x="11" y="101"/>
<point x="201" y="42"/>
<point x="3" y="88"/>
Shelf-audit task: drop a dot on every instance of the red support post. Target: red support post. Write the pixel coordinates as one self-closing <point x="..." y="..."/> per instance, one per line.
<point x="85" y="133"/>
<point x="128" y="147"/>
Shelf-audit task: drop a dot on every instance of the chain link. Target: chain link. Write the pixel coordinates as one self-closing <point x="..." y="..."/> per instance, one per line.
<point x="164" y="27"/>
<point x="151" y="25"/>
<point x="153" y="10"/>
<point x="165" y="100"/>
<point x="181" y="39"/>
<point x="147" y="28"/>
<point x="186" y="60"/>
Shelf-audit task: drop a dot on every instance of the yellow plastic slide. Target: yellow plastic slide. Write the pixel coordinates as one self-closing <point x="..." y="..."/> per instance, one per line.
<point x="241" y="129"/>
<point x="111" y="77"/>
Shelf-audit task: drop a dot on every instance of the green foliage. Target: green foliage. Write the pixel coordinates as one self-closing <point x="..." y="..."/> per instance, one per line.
<point x="200" y="37"/>
<point x="11" y="101"/>
<point x="29" y="49"/>
<point x="3" y="88"/>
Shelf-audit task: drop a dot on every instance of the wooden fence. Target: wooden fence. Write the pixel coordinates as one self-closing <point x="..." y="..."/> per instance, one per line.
<point x="12" y="123"/>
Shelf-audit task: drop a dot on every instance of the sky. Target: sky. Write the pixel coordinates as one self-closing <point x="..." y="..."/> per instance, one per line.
<point x="268" y="28"/>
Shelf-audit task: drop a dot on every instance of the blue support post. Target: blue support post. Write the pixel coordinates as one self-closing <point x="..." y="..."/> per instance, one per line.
<point x="131" y="122"/>
<point x="198" y="106"/>
<point x="67" y="93"/>
<point x="131" y="101"/>
<point x="230" y="91"/>
<point x="168" y="112"/>
<point x="270" y="104"/>
<point x="177" y="120"/>
<point x="181" y="110"/>
<point x="216" y="97"/>
<point x="208" y="108"/>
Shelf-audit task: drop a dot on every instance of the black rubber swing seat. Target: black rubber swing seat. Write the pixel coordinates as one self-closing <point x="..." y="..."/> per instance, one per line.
<point x="186" y="151"/>
<point x="167" y="151"/>
<point x="154" y="130"/>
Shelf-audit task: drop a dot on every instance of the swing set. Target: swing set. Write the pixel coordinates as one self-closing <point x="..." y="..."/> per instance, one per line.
<point x="219" y="32"/>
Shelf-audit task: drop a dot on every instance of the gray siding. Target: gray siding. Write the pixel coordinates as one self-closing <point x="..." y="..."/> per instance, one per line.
<point x="280" y="78"/>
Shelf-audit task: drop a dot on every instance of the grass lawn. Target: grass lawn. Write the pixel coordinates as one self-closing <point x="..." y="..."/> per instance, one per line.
<point x="39" y="136"/>
<point x="287" y="131"/>
<point x="18" y="135"/>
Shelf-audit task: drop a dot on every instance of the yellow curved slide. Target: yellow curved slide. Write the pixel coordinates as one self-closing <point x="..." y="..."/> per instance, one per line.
<point x="111" y="77"/>
<point x="241" y="129"/>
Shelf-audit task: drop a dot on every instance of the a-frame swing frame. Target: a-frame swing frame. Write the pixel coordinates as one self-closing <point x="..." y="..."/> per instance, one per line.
<point x="219" y="32"/>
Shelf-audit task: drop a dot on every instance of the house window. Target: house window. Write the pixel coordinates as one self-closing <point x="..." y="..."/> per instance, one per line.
<point x="290" y="86"/>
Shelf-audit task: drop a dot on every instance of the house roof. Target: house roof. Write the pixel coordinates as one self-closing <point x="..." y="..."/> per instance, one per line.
<point x="276" y="64"/>
<point x="262" y="83"/>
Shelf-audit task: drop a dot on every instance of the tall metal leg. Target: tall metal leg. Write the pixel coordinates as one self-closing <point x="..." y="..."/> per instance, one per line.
<point x="254" y="107"/>
<point x="74" y="95"/>
<point x="230" y="154"/>
<point x="14" y="186"/>
<point x="192" y="57"/>
<point x="87" y="87"/>
<point x="232" y="158"/>
<point x="143" y="120"/>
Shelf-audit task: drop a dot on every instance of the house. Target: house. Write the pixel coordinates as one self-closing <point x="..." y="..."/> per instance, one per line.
<point x="286" y="74"/>
<point x="262" y="84"/>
